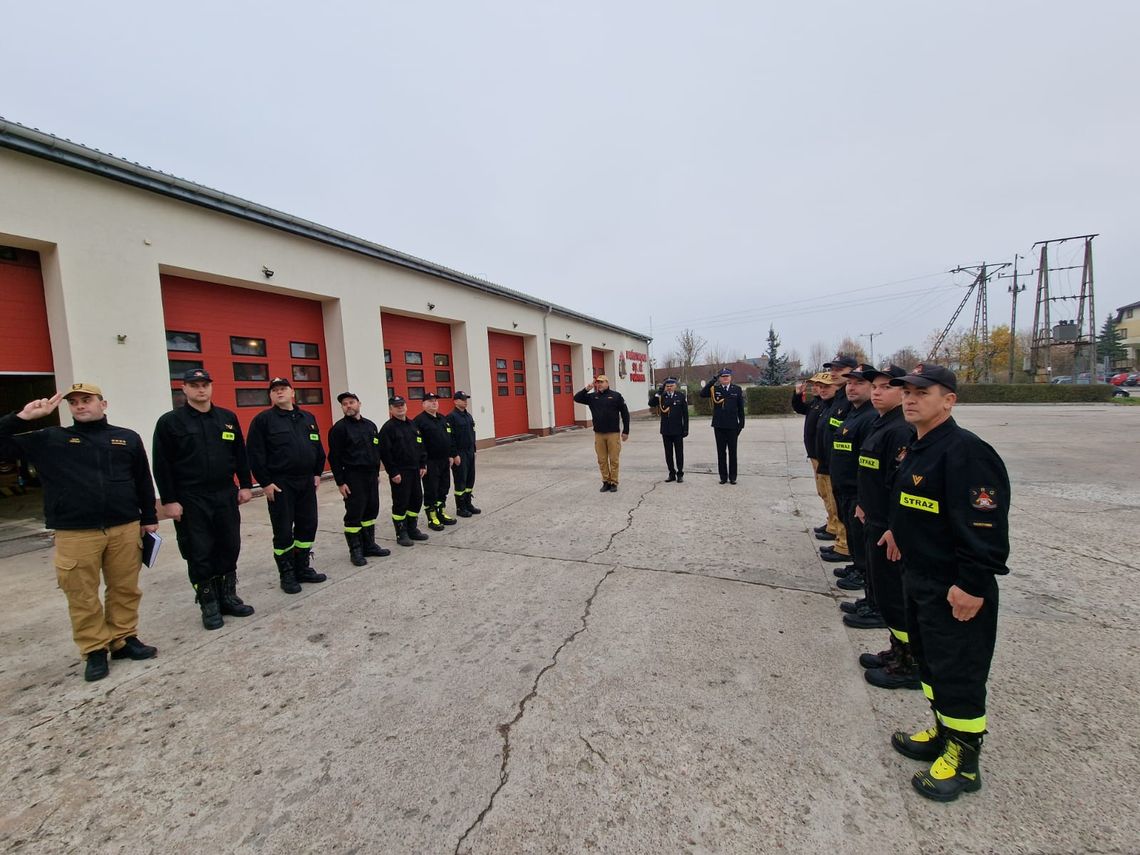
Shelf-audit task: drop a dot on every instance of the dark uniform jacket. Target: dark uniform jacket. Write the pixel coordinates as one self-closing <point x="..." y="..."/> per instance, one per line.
<point x="674" y="411"/>
<point x="606" y="408"/>
<point x="949" y="509"/>
<point x="830" y="418"/>
<point x="845" y="445"/>
<point x="401" y="446"/>
<point x="284" y="444"/>
<point x="889" y="434"/>
<point x="810" y="410"/>
<point x="462" y="425"/>
<point x="353" y="444"/>
<point x="198" y="452"/>
<point x="436" y="432"/>
<point x="94" y="475"/>
<point x="728" y="405"/>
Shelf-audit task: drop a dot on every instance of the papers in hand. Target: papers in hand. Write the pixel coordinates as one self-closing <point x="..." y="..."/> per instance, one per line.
<point x="151" y="543"/>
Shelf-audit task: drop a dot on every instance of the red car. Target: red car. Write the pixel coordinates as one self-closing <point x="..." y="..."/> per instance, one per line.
<point x="1118" y="379"/>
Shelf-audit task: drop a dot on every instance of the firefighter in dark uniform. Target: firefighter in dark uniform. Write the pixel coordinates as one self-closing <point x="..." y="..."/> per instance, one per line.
<point x="441" y="456"/>
<point x="893" y="668"/>
<point x="199" y="451"/>
<point x="810" y="410"/>
<point x="674" y="411"/>
<point x="354" y="458"/>
<point x="829" y="422"/>
<point x="287" y="458"/>
<point x="405" y="461"/>
<point x="949" y="522"/>
<point x="727" y="421"/>
<point x="462" y="425"/>
<point x="845" y="444"/>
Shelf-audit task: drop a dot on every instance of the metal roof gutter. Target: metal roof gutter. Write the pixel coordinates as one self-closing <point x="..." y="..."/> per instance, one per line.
<point x="17" y="137"/>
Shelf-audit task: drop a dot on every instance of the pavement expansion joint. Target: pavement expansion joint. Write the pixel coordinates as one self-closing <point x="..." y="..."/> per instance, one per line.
<point x="629" y="520"/>
<point x="505" y="728"/>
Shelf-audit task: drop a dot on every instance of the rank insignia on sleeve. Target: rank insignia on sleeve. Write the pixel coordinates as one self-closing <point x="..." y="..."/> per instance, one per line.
<point x="845" y="431"/>
<point x="982" y="498"/>
<point x="917" y="479"/>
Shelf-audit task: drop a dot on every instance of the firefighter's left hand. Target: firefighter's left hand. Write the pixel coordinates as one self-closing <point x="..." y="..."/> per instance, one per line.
<point x="965" y="606"/>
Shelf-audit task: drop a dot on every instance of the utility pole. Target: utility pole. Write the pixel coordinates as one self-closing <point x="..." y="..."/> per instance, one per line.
<point x="980" y="334"/>
<point x="1013" y="289"/>
<point x="1041" y="353"/>
<point x="871" y="336"/>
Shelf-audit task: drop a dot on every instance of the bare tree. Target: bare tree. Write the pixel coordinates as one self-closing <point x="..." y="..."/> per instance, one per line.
<point x="848" y="346"/>
<point x="905" y="357"/>
<point x="818" y="355"/>
<point x="690" y="346"/>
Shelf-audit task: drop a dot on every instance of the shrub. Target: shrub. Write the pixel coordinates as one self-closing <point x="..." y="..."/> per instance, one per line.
<point x="1033" y="393"/>
<point x="768" y="400"/>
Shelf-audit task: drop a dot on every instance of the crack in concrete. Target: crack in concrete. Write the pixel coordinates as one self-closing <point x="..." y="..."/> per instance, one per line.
<point x="628" y="522"/>
<point x="505" y="728"/>
<point x="593" y="750"/>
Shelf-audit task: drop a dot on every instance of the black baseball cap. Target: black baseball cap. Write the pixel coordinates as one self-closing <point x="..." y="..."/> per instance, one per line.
<point x="197" y="375"/>
<point x="869" y="373"/>
<point x="924" y="375"/>
<point x="461" y="396"/>
<point x="340" y="398"/>
<point x="280" y="381"/>
<point x="431" y="396"/>
<point x="842" y="362"/>
<point x="861" y="371"/>
<point x="396" y="401"/>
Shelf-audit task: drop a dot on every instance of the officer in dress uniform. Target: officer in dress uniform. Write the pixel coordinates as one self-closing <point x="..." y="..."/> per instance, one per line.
<point x="949" y="523"/>
<point x="287" y="458"/>
<point x="727" y="421"/>
<point x="354" y="458"/>
<point x="674" y="411"/>
<point x="462" y="426"/>
<point x="893" y="668"/>
<point x="441" y="456"/>
<point x="199" y="451"/>
<point x="405" y="461"/>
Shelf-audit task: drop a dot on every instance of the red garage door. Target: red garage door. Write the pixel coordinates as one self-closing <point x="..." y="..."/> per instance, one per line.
<point x="508" y="372"/>
<point x="244" y="338"/>
<point x="25" y="346"/>
<point x="598" y="358"/>
<point x="417" y="357"/>
<point x="562" y="380"/>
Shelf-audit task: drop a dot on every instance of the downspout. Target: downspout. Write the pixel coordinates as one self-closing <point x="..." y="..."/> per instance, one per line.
<point x="548" y="397"/>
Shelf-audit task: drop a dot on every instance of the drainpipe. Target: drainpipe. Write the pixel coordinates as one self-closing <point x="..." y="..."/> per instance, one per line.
<point x="548" y="397"/>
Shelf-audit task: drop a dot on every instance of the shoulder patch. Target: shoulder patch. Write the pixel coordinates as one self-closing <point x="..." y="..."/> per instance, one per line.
<point x="983" y="498"/>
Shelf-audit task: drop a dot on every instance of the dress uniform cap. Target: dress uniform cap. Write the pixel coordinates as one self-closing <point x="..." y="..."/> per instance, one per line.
<point x="83" y="389"/>
<point x="669" y="380"/>
<point x="280" y="381"/>
<point x="460" y="396"/>
<point x="724" y="372"/>
<point x="927" y="375"/>
<point x="340" y="398"/>
<point x="396" y="401"/>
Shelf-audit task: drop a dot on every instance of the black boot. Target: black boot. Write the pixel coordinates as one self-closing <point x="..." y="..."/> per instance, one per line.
<point x="865" y="617"/>
<point x="924" y="745"/>
<point x="672" y="477"/>
<point x="461" y="506"/>
<point x="883" y="657"/>
<point x="434" y="522"/>
<point x="680" y="477"/>
<point x="355" y="548"/>
<point x="302" y="569"/>
<point x="289" y="582"/>
<point x="955" y="771"/>
<point x="474" y="510"/>
<point x="368" y="539"/>
<point x="402" y="533"/>
<point x="229" y="603"/>
<point x="441" y="513"/>
<point x="899" y="673"/>
<point x="207" y="599"/>
<point x="413" y="525"/>
<point x="97" y="666"/>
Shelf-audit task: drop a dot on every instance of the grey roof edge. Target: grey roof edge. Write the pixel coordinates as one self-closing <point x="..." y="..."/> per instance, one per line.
<point x="36" y="143"/>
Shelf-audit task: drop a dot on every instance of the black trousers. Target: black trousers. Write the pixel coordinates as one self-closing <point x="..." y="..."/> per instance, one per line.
<point x="437" y="481"/>
<point x="407" y="496"/>
<point x="885" y="579"/>
<point x="726" y="447"/>
<point x="362" y="503"/>
<point x="209" y="533"/>
<point x="953" y="656"/>
<point x="856" y="536"/>
<point x="674" y="445"/>
<point x="293" y="513"/>
<point x="464" y="473"/>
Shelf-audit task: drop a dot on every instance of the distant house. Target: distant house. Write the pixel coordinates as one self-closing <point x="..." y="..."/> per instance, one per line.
<point x="745" y="372"/>
<point x="1127" y="323"/>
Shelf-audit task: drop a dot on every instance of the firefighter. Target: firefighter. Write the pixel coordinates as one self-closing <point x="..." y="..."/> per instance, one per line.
<point x="727" y="421"/>
<point x="462" y="425"/>
<point x="439" y="445"/>
<point x="674" y="412"/>
<point x="354" y="458"/>
<point x="830" y="388"/>
<point x="405" y="461"/>
<point x="810" y="410"/>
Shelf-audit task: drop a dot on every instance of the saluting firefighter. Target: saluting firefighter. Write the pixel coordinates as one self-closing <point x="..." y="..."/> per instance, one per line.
<point x="199" y="453"/>
<point x="830" y="420"/>
<point x="673" y="409"/>
<point x="354" y="458"/>
<point x="462" y="425"/>
<point x="810" y="408"/>
<point x="405" y="461"/>
<point x="607" y="407"/>
<point x="287" y="458"/>
<point x="441" y="456"/>
<point x="949" y="523"/>
<point x="727" y="421"/>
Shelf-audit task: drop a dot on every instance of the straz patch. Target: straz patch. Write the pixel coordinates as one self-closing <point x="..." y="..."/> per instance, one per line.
<point x="918" y="503"/>
<point x="315" y="437"/>
<point x="841" y="446"/>
<point x="118" y="442"/>
<point x="228" y="435"/>
<point x="868" y="462"/>
<point x="834" y="422"/>
<point x="983" y="499"/>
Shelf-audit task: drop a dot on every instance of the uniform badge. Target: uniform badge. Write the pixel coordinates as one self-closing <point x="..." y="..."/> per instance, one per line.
<point x="229" y="427"/>
<point x="901" y="456"/>
<point x="845" y="431"/>
<point x="982" y="498"/>
<point x="917" y="479"/>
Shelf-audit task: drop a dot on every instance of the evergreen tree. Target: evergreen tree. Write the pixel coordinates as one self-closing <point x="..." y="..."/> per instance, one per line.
<point x="1108" y="346"/>
<point x="776" y="371"/>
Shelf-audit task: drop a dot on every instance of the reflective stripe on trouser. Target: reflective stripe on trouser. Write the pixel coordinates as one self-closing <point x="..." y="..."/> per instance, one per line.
<point x="209" y="533"/>
<point x="408" y="495"/>
<point x="834" y="525"/>
<point x="363" y="499"/>
<point x="80" y="558"/>
<point x="886" y="579"/>
<point x="953" y="656"/>
<point x="608" y="448"/>
<point x="293" y="513"/>
<point x="464" y="474"/>
<point x="437" y="481"/>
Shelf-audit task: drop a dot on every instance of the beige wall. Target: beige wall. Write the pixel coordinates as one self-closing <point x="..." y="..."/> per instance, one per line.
<point x="104" y="244"/>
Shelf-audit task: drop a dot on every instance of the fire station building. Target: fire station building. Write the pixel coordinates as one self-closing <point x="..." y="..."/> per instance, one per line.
<point x="124" y="276"/>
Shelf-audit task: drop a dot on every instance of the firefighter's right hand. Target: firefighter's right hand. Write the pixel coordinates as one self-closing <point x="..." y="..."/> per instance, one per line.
<point x="39" y="408"/>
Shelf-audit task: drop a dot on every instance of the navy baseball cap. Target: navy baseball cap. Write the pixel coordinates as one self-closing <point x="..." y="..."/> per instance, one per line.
<point x="340" y="398"/>
<point x="431" y="396"/>
<point x="197" y="375"/>
<point x="842" y="361"/>
<point x="396" y="401"/>
<point x="869" y="373"/>
<point x="927" y="375"/>
<point x="280" y="381"/>
<point x="460" y="396"/>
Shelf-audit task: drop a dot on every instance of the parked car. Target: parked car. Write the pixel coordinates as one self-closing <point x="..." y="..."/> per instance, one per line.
<point x="1117" y="392"/>
<point x="1132" y="380"/>
<point x="1119" y="378"/>
<point x="1064" y="378"/>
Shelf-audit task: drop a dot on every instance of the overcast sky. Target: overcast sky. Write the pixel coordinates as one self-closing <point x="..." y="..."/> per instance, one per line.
<point x="719" y="165"/>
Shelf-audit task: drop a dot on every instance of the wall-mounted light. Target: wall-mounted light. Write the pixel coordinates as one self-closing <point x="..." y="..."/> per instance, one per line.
<point x="567" y="336"/>
<point x="268" y="273"/>
<point x="515" y="324"/>
<point x="121" y="338"/>
<point x="431" y="307"/>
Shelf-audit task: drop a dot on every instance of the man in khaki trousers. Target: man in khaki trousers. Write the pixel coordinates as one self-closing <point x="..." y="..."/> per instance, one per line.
<point x="606" y="408"/>
<point x="99" y="498"/>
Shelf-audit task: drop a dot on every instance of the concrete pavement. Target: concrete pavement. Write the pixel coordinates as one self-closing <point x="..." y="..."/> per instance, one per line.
<point x="658" y="670"/>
